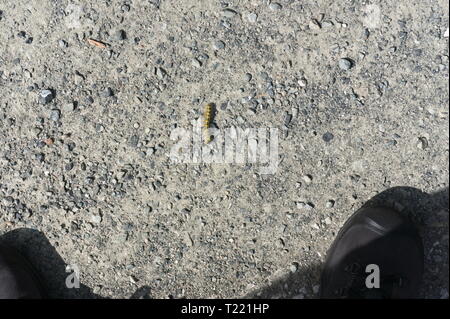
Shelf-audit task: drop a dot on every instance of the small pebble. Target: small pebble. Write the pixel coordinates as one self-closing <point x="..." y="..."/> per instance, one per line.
<point x="40" y="157"/>
<point x="96" y="219"/>
<point x="302" y="205"/>
<point x="55" y="115"/>
<point x="327" y="137"/>
<point x="150" y="151"/>
<point x="330" y="203"/>
<point x="302" y="83"/>
<point x="62" y="44"/>
<point x="307" y="179"/>
<point x="219" y="45"/>
<point x="107" y="92"/>
<point x="160" y="73"/>
<point x="228" y="13"/>
<point x="45" y="96"/>
<point x="423" y="143"/>
<point x="252" y="17"/>
<point x="248" y="77"/>
<point x="99" y="128"/>
<point x="287" y="118"/>
<point x="327" y="24"/>
<point x="294" y="267"/>
<point x="314" y="25"/>
<point x="133" y="140"/>
<point x="89" y="100"/>
<point x="345" y="64"/>
<point x="275" y="6"/>
<point x="185" y="211"/>
<point x="37" y="131"/>
<point x="196" y="63"/>
<point x="120" y="35"/>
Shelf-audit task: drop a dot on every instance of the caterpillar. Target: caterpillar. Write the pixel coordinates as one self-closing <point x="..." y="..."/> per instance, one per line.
<point x="207" y="120"/>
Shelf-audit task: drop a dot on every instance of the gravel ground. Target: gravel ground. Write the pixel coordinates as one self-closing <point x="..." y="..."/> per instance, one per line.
<point x="358" y="91"/>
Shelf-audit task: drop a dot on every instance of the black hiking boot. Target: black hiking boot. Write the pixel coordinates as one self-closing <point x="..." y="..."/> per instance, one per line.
<point x="18" y="280"/>
<point x="378" y="253"/>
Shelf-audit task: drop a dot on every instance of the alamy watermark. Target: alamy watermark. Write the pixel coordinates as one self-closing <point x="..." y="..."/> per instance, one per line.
<point x="373" y="279"/>
<point x="232" y="145"/>
<point x="73" y="279"/>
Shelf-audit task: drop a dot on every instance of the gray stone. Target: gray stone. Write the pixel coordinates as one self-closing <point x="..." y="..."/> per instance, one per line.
<point x="133" y="140"/>
<point x="219" y="45"/>
<point x="160" y="73"/>
<point x="229" y="13"/>
<point x="293" y="268"/>
<point x="99" y="128"/>
<point x="40" y="157"/>
<point x="303" y="205"/>
<point x="252" y="17"/>
<point x="196" y="63"/>
<point x="307" y="179"/>
<point x="422" y="143"/>
<point x="55" y="115"/>
<point x="345" y="64"/>
<point x="327" y="24"/>
<point x="287" y="118"/>
<point x="327" y="137"/>
<point x="120" y="35"/>
<point x="107" y="92"/>
<point x="62" y="44"/>
<point x="96" y="219"/>
<point x="45" y="96"/>
<point x="330" y="203"/>
<point x="89" y="100"/>
<point x="275" y="6"/>
<point x="185" y="211"/>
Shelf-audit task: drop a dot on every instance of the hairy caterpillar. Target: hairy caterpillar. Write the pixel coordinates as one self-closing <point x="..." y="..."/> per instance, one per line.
<point x="207" y="120"/>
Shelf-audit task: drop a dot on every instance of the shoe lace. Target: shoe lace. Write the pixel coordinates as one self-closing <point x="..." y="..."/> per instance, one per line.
<point x="356" y="286"/>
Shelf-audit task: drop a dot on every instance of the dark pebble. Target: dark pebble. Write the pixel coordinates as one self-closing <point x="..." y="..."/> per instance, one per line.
<point x="107" y="92"/>
<point x="70" y="146"/>
<point x="133" y="141"/>
<point x="40" y="157"/>
<point x="287" y="118"/>
<point x="45" y="96"/>
<point x="89" y="100"/>
<point x="327" y="137"/>
<point x="120" y="35"/>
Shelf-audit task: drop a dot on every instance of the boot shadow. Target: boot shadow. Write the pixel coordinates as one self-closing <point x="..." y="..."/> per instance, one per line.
<point x="35" y="247"/>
